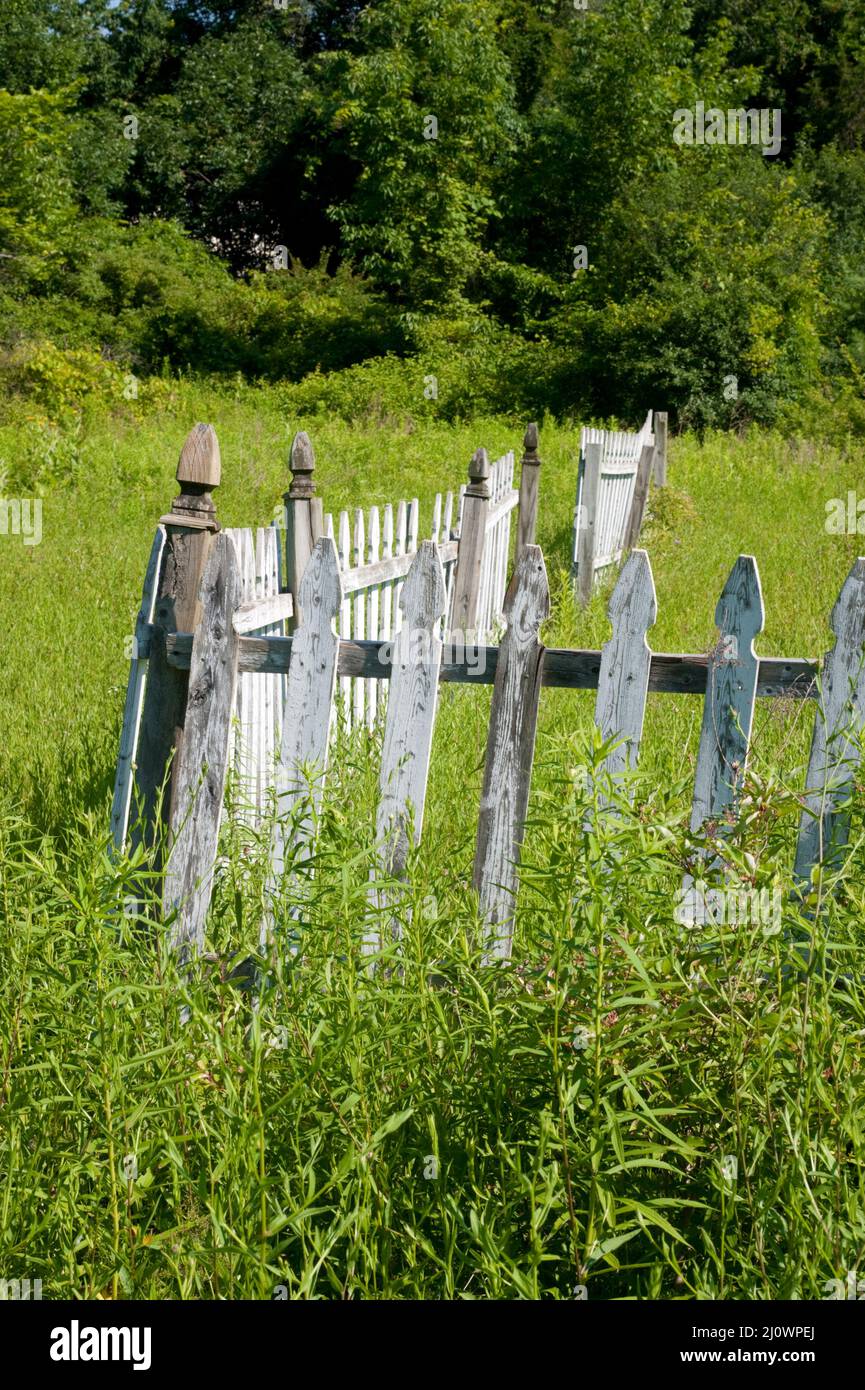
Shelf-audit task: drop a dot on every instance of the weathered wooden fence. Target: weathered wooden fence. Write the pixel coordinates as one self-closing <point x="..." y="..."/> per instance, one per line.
<point x="472" y="533"/>
<point x="375" y="552"/>
<point x="612" y="488"/>
<point x="211" y="654"/>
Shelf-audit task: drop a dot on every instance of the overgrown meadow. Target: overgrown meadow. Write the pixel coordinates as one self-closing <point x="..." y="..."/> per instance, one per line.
<point x="628" y="1109"/>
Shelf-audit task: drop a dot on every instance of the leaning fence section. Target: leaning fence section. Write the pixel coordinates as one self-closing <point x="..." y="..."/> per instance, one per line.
<point x="612" y="487"/>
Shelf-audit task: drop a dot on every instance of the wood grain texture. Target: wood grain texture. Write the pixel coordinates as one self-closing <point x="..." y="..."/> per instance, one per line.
<point x="200" y="780"/>
<point x="411" y="709"/>
<point x="563" y="668"/>
<point x="728" y="710"/>
<point x="640" y="497"/>
<point x="125" y="774"/>
<point x="660" y="461"/>
<point x="465" y="610"/>
<point x="623" y="680"/>
<point x="823" y="828"/>
<point x="510" y="751"/>
<point x="309" y="700"/>
<point x="530" y="478"/>
<point x="586" y="523"/>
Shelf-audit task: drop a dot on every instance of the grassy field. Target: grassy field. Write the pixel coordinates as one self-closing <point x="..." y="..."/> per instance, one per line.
<point x="572" y="1121"/>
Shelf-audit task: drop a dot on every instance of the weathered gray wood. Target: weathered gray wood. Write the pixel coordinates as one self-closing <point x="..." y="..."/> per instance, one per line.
<point x="309" y="699"/>
<point x="640" y="497"/>
<point x="124" y="776"/>
<point x="823" y="828"/>
<point x="587" y="520"/>
<point x="530" y="475"/>
<point x="189" y="528"/>
<point x="465" y="611"/>
<point x="564" y="668"/>
<point x="304" y="520"/>
<point x="623" y="680"/>
<point x="510" y="751"/>
<point x="660" y="463"/>
<point x="416" y="654"/>
<point x="728" y="711"/>
<point x="263" y="612"/>
<point x="201" y="769"/>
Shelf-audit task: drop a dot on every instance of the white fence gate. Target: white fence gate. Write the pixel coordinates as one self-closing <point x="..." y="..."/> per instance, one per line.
<point x="610" y="498"/>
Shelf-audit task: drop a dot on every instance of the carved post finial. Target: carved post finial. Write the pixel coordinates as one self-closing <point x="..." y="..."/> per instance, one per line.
<point x="302" y="465"/>
<point x="479" y="472"/>
<point x="530" y="444"/>
<point x="199" y="469"/>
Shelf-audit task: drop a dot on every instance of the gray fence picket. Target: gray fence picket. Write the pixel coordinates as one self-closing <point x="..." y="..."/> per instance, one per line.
<point x="728" y="710"/>
<point x="203" y="762"/>
<point x="823" y="828"/>
<point x="510" y="750"/>
<point x="623" y="680"/>
<point x="415" y="660"/>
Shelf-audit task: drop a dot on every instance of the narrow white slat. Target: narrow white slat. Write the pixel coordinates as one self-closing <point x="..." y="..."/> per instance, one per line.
<point x="373" y="600"/>
<point x="312" y="676"/>
<point x="344" y="626"/>
<point x="359" y="616"/>
<point x="125" y="774"/>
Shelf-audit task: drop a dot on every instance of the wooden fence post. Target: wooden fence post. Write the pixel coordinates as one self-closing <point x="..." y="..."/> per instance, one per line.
<point x="470" y="554"/>
<point x="510" y="751"/>
<point x="189" y="526"/>
<point x="203" y="759"/>
<point x="640" y="497"/>
<point x="586" y="520"/>
<point x="304" y="519"/>
<point x="660" y="433"/>
<point x="530" y="465"/>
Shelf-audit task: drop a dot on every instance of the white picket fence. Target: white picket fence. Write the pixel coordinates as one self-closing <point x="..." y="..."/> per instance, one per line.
<point x="256" y="727"/>
<point x="375" y="552"/>
<point x="603" y="506"/>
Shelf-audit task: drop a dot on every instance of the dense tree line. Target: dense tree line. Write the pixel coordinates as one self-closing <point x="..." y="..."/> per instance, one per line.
<point x="276" y="186"/>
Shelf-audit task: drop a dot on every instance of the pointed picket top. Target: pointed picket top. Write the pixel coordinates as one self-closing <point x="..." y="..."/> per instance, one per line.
<point x="728" y="711"/>
<point x="840" y="714"/>
<point x="200" y="462"/>
<point x="527" y="600"/>
<point x="623" y="679"/>
<point x="740" y="611"/>
<point x="633" y="600"/>
<point x="423" y="596"/>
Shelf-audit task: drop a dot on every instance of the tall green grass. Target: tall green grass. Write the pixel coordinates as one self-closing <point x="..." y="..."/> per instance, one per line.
<point x="432" y="1128"/>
